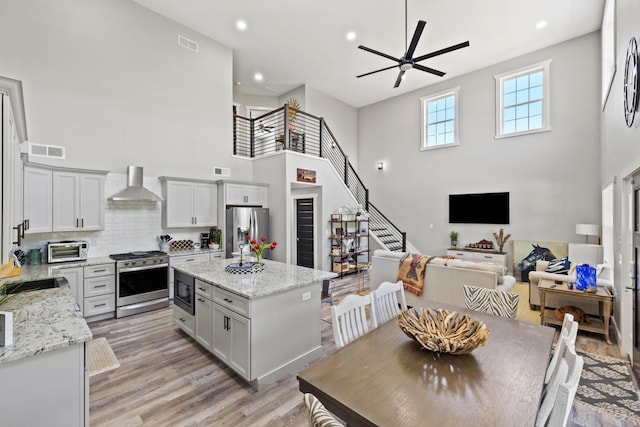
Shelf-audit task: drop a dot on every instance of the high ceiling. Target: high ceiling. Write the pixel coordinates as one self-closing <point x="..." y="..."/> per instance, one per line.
<point x="294" y="42"/>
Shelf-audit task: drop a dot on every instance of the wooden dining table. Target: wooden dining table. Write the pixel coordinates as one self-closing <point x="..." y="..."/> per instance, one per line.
<point x="386" y="379"/>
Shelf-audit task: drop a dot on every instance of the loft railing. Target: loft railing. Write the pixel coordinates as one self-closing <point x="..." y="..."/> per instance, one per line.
<point x="291" y="129"/>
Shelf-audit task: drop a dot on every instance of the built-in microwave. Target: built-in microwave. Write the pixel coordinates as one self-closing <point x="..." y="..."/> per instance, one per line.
<point x="69" y="250"/>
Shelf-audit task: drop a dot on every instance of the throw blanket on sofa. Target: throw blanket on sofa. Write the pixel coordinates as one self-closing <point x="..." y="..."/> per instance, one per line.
<point x="411" y="272"/>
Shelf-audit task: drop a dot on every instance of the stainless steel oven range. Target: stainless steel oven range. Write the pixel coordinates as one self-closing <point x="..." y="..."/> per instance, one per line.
<point x="142" y="282"/>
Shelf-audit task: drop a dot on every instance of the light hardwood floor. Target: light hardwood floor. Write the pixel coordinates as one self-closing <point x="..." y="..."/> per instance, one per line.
<point x="167" y="379"/>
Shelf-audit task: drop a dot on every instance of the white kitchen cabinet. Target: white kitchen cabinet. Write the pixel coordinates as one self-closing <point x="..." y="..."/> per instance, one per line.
<point x="204" y="314"/>
<point x="175" y="260"/>
<point x="78" y="201"/>
<point x="231" y="339"/>
<point x="184" y="320"/>
<point x="38" y="200"/>
<point x="48" y="389"/>
<point x="99" y="291"/>
<point x="189" y="203"/>
<point x="245" y="194"/>
<point x="75" y="277"/>
<point x="13" y="132"/>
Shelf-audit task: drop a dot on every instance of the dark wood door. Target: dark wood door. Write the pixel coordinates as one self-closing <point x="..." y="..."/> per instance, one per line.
<point x="304" y="232"/>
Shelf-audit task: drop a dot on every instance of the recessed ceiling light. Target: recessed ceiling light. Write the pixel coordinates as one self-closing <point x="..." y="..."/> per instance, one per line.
<point x="241" y="25"/>
<point x="258" y="77"/>
<point x="351" y="35"/>
<point x="541" y="24"/>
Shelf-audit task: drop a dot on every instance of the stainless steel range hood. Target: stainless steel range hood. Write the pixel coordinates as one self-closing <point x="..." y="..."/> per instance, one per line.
<point x="135" y="191"/>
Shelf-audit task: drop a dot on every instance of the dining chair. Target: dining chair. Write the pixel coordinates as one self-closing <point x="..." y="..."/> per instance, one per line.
<point x="318" y="414"/>
<point x="492" y="301"/>
<point x="388" y="301"/>
<point x="349" y="319"/>
<point x="568" y="335"/>
<point x="561" y="390"/>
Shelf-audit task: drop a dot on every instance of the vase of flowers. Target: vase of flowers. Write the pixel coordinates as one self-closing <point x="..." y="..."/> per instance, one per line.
<point x="258" y="248"/>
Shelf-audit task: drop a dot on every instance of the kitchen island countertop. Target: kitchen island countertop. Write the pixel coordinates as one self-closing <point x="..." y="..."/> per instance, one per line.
<point x="44" y="320"/>
<point x="276" y="277"/>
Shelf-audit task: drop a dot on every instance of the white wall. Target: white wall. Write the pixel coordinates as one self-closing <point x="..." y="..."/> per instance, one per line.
<point x="107" y="80"/>
<point x="552" y="177"/>
<point x="341" y="118"/>
<point x="329" y="189"/>
<point x="620" y="158"/>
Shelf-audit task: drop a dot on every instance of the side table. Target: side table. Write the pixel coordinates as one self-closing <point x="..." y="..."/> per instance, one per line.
<point x="362" y="267"/>
<point x="596" y="324"/>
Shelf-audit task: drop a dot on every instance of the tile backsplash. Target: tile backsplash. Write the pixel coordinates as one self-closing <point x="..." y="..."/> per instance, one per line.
<point x="129" y="226"/>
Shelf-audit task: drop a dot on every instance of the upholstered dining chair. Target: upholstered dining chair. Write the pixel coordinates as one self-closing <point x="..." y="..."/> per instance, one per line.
<point x="349" y="319"/>
<point x="388" y="301"/>
<point x="561" y="390"/>
<point x="318" y="414"/>
<point x="568" y="335"/>
<point x="492" y="301"/>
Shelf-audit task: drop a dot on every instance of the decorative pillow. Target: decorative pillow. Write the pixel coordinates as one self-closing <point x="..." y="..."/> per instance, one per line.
<point x="559" y="266"/>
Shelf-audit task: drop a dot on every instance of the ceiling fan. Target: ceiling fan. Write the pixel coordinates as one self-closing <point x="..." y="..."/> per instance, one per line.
<point x="408" y="62"/>
<point x="263" y="128"/>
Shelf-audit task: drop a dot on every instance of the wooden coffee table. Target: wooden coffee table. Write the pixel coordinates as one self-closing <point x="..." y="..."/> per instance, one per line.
<point x="596" y="324"/>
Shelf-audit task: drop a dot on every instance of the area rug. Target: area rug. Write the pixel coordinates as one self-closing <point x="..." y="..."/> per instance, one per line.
<point x="606" y="386"/>
<point x="101" y="357"/>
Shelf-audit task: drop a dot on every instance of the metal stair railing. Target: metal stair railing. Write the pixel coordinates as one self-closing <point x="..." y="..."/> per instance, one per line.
<point x="291" y="129"/>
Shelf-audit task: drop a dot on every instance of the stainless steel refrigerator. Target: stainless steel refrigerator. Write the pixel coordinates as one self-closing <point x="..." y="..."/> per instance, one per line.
<point x="242" y="222"/>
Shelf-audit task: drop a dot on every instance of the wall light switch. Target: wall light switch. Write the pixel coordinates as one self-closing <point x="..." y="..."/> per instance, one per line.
<point x="306" y="296"/>
<point x="430" y="226"/>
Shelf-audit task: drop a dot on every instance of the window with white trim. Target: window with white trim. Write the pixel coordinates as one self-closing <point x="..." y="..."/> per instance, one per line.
<point x="522" y="101"/>
<point x="440" y="119"/>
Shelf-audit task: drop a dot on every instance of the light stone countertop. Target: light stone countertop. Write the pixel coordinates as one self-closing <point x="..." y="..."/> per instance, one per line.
<point x="276" y="277"/>
<point x="46" y="271"/>
<point x="44" y="320"/>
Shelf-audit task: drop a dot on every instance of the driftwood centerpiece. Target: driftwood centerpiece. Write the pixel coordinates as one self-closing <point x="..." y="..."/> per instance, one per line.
<point x="443" y="332"/>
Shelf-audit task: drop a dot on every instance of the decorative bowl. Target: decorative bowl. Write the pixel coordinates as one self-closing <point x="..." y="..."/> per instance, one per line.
<point x="443" y="332"/>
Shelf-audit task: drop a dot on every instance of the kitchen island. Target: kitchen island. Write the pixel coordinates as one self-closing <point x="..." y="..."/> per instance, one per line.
<point x="44" y="371"/>
<point x="263" y="325"/>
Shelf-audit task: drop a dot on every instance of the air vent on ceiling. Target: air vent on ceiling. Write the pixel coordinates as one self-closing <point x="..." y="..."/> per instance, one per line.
<point x="187" y="43"/>
<point x="52" y="151"/>
<point x="221" y="171"/>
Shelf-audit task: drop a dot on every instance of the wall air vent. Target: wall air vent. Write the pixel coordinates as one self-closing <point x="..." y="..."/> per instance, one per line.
<point x="52" y="151"/>
<point x="187" y="43"/>
<point x="221" y="171"/>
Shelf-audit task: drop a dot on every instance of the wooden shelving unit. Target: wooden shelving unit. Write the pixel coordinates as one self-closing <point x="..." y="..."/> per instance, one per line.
<point x="349" y="243"/>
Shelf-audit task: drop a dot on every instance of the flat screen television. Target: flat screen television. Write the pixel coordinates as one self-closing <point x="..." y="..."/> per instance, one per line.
<point x="479" y="208"/>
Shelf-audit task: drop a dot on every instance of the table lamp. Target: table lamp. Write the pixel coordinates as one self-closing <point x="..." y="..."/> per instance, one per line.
<point x="588" y="230"/>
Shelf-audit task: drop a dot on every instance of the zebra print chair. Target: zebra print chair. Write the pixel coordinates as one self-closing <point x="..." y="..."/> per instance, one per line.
<point x="492" y="301"/>
<point x="318" y="414"/>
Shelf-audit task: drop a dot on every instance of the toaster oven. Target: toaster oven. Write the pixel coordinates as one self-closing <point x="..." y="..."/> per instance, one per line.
<point x="70" y="250"/>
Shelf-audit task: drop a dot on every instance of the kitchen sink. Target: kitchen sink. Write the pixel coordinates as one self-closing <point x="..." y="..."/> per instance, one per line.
<point x="48" y="283"/>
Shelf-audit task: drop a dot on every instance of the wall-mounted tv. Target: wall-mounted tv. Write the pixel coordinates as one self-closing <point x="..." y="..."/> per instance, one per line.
<point x="479" y="208"/>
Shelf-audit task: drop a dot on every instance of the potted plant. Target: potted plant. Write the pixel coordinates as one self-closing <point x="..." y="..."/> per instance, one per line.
<point x="292" y="112"/>
<point x="454" y="239"/>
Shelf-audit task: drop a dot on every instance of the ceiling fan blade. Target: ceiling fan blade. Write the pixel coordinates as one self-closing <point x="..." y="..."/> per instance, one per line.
<point x="377" y="71"/>
<point x="428" y="70"/>
<point x="399" y="79"/>
<point x="442" y="51"/>
<point x="384" y="55"/>
<point x="415" y="39"/>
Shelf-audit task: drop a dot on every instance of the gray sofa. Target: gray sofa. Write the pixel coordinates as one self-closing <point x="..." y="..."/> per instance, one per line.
<point x="444" y="279"/>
